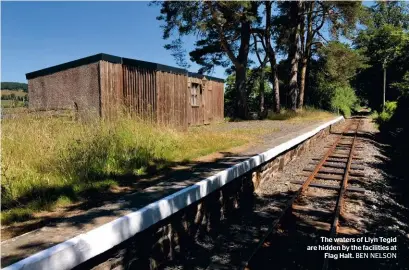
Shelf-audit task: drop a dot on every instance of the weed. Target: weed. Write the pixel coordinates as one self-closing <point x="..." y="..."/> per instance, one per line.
<point x="53" y="161"/>
<point x="307" y="113"/>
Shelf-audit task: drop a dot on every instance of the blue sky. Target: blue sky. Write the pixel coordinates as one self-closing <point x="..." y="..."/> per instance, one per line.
<point x="36" y="35"/>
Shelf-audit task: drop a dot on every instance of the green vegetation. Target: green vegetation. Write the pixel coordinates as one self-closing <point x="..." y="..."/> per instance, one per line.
<point x="12" y="103"/>
<point x="307" y="114"/>
<point x="343" y="99"/>
<point x="229" y="33"/>
<point x="337" y="66"/>
<point x="385" y="83"/>
<point x="385" y="115"/>
<point x="253" y="88"/>
<point x="12" y="93"/>
<point x="385" y="43"/>
<point x="48" y="162"/>
<point x="320" y="71"/>
<point x="14" y="86"/>
<point x="393" y="123"/>
<point x="13" y="98"/>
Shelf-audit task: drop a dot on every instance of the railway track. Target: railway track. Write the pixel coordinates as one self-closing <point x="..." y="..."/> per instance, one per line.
<point x="339" y="164"/>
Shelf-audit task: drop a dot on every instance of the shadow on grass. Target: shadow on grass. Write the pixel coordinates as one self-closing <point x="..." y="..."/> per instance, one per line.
<point x="104" y="203"/>
<point x="107" y="189"/>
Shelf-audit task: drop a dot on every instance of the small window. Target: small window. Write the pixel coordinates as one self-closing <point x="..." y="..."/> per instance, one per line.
<point x="195" y="89"/>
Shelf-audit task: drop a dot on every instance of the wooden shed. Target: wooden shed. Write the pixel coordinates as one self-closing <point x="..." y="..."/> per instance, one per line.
<point x="102" y="83"/>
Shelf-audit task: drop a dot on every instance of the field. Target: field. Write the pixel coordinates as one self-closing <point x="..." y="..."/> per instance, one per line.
<point x="17" y="93"/>
<point x="11" y="103"/>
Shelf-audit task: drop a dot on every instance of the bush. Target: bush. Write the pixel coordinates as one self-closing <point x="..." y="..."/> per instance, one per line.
<point x="343" y="99"/>
<point x="394" y="124"/>
<point x="384" y="117"/>
<point x="335" y="97"/>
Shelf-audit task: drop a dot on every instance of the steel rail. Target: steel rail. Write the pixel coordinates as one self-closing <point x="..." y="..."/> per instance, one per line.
<point x="341" y="200"/>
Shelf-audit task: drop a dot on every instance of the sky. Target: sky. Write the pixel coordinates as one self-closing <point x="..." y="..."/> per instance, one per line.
<point x="36" y="35"/>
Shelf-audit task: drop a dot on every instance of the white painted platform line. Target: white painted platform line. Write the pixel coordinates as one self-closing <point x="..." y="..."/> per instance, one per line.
<point x="88" y="245"/>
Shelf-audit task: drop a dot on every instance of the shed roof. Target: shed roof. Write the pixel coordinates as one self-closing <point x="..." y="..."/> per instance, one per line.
<point x="118" y="60"/>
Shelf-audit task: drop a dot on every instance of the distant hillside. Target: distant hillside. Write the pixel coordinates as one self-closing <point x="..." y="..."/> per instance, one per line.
<point x="14" y="86"/>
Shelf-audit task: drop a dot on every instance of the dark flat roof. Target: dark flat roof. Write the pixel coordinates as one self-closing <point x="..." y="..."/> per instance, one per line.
<point x="117" y="60"/>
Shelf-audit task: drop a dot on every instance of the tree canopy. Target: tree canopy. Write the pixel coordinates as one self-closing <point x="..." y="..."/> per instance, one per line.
<point x="329" y="54"/>
<point x="14" y="86"/>
<point x="385" y="43"/>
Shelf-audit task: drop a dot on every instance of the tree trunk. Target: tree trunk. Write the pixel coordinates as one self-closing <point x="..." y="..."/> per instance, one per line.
<point x="306" y="50"/>
<point x="240" y="62"/>
<point x="262" y="109"/>
<point x="272" y="58"/>
<point x="276" y="85"/>
<point x="293" y="53"/>
<point x="263" y="64"/>
<point x="241" y="105"/>
<point x="242" y="110"/>
<point x="384" y="88"/>
<point x="302" y="83"/>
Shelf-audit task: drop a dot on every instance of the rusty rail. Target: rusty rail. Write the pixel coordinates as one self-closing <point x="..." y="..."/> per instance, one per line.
<point x="340" y="200"/>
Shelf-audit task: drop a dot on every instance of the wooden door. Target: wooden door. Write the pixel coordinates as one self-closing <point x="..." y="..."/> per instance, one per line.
<point x="208" y="101"/>
<point x="196" y="102"/>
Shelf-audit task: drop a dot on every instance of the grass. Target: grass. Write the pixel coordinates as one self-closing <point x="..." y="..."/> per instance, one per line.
<point x="12" y="110"/>
<point x="52" y="162"/>
<point x="307" y="114"/>
<point x="381" y="119"/>
<point x="8" y="103"/>
<point x="17" y="93"/>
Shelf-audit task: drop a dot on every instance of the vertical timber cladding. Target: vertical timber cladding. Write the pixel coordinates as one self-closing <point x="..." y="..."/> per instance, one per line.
<point x="171" y="99"/>
<point x="217" y="105"/>
<point x="111" y="85"/>
<point x="104" y="83"/>
<point x="155" y="92"/>
<point x="139" y="91"/>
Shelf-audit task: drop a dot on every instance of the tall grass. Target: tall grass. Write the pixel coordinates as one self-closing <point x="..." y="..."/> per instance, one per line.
<point x="386" y="114"/>
<point x="307" y="114"/>
<point x="48" y="162"/>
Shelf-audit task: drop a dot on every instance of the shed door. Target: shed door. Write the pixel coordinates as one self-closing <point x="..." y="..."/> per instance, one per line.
<point x="197" y="104"/>
<point x="208" y="102"/>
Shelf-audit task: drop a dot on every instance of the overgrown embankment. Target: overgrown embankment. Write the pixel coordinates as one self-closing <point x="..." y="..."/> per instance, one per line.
<point x="393" y="123"/>
<point x="48" y="162"/>
<point x="307" y="114"/>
